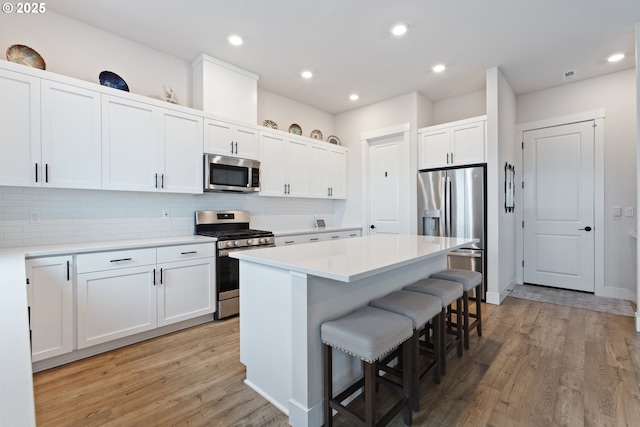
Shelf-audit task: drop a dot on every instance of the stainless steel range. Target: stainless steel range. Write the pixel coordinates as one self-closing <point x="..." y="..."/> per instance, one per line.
<point x="231" y="230"/>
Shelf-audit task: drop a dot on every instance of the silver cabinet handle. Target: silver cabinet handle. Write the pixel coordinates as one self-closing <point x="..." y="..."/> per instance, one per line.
<point x="587" y="228"/>
<point x="231" y="147"/>
<point x="120" y="260"/>
<point x="188" y="253"/>
<point x="451" y="157"/>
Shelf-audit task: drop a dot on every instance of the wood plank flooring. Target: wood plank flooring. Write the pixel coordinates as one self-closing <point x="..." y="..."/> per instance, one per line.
<point x="537" y="364"/>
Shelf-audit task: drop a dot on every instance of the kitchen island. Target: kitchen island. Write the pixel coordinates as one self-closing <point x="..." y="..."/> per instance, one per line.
<point x="286" y="293"/>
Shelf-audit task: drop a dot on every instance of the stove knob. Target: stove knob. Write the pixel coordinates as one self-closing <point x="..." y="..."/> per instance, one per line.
<point x="229" y="244"/>
<point x="250" y="242"/>
<point x="263" y="240"/>
<point x="237" y="243"/>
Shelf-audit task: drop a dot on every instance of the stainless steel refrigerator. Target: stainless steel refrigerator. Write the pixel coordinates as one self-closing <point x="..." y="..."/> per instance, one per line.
<point x="452" y="202"/>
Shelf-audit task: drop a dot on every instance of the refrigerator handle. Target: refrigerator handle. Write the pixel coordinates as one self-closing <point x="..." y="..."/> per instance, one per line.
<point x="443" y="214"/>
<point x="448" y="196"/>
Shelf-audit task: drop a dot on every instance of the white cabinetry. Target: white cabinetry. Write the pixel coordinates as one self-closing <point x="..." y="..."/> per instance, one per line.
<point x="452" y="144"/>
<point x="122" y="293"/>
<point x="71" y="137"/>
<point x="231" y="140"/>
<point x="316" y="237"/>
<point x="50" y="296"/>
<point x="297" y="167"/>
<point x="116" y="295"/>
<point x="50" y="133"/>
<point x="185" y="289"/>
<point x="145" y="148"/>
<point x="19" y="128"/>
<point x="283" y="166"/>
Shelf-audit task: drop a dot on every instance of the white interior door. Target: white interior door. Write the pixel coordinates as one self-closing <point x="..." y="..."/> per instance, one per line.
<point x="559" y="206"/>
<point x="384" y="185"/>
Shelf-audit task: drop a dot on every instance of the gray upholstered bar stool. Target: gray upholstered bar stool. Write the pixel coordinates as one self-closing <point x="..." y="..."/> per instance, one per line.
<point x="369" y="334"/>
<point x="448" y="292"/>
<point x="421" y="309"/>
<point x="469" y="280"/>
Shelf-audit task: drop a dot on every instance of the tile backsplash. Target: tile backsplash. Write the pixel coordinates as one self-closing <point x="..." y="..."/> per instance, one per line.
<point x="43" y="216"/>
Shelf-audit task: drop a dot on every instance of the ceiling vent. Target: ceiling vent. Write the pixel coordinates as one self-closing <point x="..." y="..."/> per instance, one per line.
<point x="569" y="75"/>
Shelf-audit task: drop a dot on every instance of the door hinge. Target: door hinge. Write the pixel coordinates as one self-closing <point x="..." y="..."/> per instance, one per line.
<point x="522" y="184"/>
<point x="594" y="124"/>
<point x="27" y="280"/>
<point x="523" y="145"/>
<point x="522" y="224"/>
<point x="523" y="263"/>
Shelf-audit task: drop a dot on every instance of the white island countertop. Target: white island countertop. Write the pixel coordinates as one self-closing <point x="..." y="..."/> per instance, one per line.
<point x="348" y="260"/>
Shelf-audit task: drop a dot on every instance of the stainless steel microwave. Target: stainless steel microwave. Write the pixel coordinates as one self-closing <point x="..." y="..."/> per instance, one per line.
<point x="231" y="174"/>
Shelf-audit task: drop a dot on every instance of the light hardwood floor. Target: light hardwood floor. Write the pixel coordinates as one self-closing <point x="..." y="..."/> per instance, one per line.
<point x="537" y="364"/>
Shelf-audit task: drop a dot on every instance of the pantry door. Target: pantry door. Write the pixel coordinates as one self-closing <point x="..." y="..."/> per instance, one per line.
<point x="559" y="206"/>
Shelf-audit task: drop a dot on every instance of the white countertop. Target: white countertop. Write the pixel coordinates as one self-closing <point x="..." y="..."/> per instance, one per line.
<point x="348" y="260"/>
<point x="17" y="406"/>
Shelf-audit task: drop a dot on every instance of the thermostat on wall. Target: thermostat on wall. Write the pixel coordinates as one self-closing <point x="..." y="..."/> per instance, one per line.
<point x="320" y="223"/>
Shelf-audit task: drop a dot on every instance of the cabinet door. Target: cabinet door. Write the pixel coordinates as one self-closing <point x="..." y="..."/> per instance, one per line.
<point x="114" y="304"/>
<point x="51" y="302"/>
<point x="129" y="145"/>
<point x="19" y="129"/>
<point x="186" y="289"/>
<point x="272" y="165"/>
<point x="319" y="171"/>
<point x="71" y="137"/>
<point x="338" y="173"/>
<point x="246" y="142"/>
<point x="297" y="168"/>
<point x="434" y="149"/>
<point x="467" y="143"/>
<point x="181" y="153"/>
<point x="218" y="138"/>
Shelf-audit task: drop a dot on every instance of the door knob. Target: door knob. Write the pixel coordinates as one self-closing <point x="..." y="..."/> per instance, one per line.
<point x="587" y="228"/>
<point x="373" y="226"/>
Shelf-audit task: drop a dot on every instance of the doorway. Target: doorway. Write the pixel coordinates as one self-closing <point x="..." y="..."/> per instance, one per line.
<point x="386" y="181"/>
<point x="562" y="193"/>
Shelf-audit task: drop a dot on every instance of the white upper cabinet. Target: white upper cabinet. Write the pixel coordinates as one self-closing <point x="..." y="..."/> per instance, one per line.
<point x="452" y="144"/>
<point x="145" y="148"/>
<point x="71" y="138"/>
<point x="181" y="164"/>
<point x="129" y="145"/>
<point x="231" y="140"/>
<point x="299" y="167"/>
<point x="19" y="129"/>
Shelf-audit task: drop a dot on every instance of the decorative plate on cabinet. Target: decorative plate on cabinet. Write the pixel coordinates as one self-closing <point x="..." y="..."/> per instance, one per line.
<point x="270" y="124"/>
<point x="111" y="79"/>
<point x="295" y="129"/>
<point x="316" y="134"/>
<point x="332" y="139"/>
<point x="21" y="54"/>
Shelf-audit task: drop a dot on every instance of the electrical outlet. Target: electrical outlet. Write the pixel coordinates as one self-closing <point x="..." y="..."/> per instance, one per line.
<point x="628" y="211"/>
<point x="165" y="214"/>
<point x="34" y="217"/>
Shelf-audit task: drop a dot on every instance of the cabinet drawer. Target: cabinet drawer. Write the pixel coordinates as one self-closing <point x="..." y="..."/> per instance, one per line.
<point x="185" y="252"/>
<point x="116" y="259"/>
<point x="287" y="240"/>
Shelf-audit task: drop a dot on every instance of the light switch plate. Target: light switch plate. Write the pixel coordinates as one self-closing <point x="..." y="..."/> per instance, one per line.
<point x="617" y="211"/>
<point x="628" y="211"/>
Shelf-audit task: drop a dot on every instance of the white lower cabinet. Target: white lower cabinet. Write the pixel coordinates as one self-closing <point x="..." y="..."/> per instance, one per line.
<point x="185" y="289"/>
<point x="122" y="293"/>
<point x="50" y="296"/>
<point x="316" y="237"/>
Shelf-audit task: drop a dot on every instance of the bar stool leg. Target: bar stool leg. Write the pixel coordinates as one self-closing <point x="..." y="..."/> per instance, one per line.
<point x="407" y="387"/>
<point x="415" y="349"/>
<point x="328" y="384"/>
<point x="465" y="298"/>
<point x="369" y="394"/>
<point x="479" y="292"/>
<point x="459" y="326"/>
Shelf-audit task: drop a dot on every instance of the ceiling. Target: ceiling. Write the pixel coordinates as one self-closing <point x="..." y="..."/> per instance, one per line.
<point x="348" y="46"/>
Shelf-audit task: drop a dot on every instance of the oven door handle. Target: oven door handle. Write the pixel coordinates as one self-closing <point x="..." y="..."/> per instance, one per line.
<point x="225" y="252"/>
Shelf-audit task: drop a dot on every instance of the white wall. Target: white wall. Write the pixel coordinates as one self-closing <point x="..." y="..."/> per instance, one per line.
<point x="615" y="93"/>
<point x="351" y="125"/>
<point x="285" y="112"/>
<point x="461" y="107"/>
<point x="74" y="49"/>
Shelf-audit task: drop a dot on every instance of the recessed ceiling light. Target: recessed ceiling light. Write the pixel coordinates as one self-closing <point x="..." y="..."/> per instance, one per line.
<point x="617" y="57"/>
<point x="306" y="74"/>
<point x="399" y="29"/>
<point x="439" y="68"/>
<point x="353" y="97"/>
<point x="235" y="40"/>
